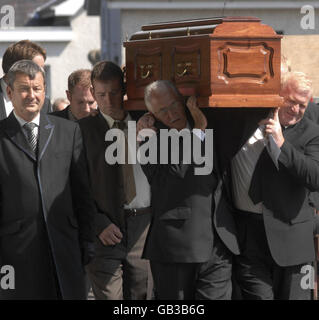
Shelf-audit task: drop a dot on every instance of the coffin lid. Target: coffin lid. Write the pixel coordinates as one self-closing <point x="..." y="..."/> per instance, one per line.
<point x="216" y="27"/>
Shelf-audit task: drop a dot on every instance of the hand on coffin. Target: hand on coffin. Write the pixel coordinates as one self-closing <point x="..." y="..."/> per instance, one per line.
<point x="273" y="127"/>
<point x="111" y="235"/>
<point x="200" y="121"/>
<point x="145" y="122"/>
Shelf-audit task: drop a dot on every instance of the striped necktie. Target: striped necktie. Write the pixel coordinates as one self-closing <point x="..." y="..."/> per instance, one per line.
<point x="32" y="138"/>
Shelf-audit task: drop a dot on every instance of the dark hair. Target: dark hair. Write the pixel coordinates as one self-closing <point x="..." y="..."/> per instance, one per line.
<point x="27" y="67"/>
<point x="81" y="77"/>
<point x="21" y="50"/>
<point x="107" y="70"/>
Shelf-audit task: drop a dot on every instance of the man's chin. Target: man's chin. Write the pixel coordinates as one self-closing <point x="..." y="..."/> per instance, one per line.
<point x="32" y="108"/>
<point x="289" y="122"/>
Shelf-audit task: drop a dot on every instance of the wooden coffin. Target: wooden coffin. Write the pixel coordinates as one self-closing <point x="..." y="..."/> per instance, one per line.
<point x="226" y="62"/>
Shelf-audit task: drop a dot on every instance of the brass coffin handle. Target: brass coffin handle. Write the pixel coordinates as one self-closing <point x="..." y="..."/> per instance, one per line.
<point x="185" y="71"/>
<point x="148" y="73"/>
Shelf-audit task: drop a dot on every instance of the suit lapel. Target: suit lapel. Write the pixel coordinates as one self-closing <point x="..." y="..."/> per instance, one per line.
<point x="16" y="135"/>
<point x="45" y="133"/>
<point x="294" y="131"/>
<point x="102" y="125"/>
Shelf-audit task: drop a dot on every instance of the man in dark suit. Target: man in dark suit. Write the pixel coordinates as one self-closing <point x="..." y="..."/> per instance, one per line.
<point x="82" y="103"/>
<point x="312" y="112"/>
<point x="121" y="193"/>
<point x="24" y="49"/>
<point x="191" y="235"/>
<point x="46" y="229"/>
<point x="270" y="177"/>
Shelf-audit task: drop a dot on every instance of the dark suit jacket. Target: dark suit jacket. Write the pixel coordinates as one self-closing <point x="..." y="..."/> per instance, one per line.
<point x="312" y="112"/>
<point x="63" y="113"/>
<point x="46" y="208"/>
<point x="106" y="180"/>
<point x="183" y="213"/>
<point x="289" y="223"/>
<point x="46" y="106"/>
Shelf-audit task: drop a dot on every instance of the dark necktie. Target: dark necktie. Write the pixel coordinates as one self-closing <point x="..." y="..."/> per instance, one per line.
<point x="127" y="168"/>
<point x="32" y="139"/>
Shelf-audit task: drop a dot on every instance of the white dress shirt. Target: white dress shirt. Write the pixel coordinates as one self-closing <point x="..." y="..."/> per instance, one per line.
<point x="143" y="190"/>
<point x="22" y="122"/>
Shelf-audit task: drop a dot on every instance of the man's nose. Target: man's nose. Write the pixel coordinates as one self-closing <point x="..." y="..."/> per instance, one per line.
<point x="92" y="106"/>
<point x="31" y="93"/>
<point x="170" y="114"/>
<point x="87" y="107"/>
<point x="107" y="100"/>
<point x="295" y="108"/>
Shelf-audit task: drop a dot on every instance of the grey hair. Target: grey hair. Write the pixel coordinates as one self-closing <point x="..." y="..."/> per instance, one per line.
<point x="161" y="87"/>
<point x="27" y="67"/>
<point x="299" y="80"/>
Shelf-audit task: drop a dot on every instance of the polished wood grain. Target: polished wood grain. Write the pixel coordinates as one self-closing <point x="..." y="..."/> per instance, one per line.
<point x="225" y="62"/>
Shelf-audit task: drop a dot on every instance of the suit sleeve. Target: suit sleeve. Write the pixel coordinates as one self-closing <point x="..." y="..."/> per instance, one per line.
<point x="83" y="202"/>
<point x="304" y="166"/>
<point x="101" y="221"/>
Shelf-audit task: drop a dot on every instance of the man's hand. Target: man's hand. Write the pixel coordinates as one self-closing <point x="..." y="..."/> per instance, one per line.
<point x="200" y="121"/>
<point x="111" y="235"/>
<point x="145" y="122"/>
<point x="273" y="127"/>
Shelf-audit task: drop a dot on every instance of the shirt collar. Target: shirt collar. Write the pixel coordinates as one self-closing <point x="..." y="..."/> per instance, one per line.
<point x="71" y="116"/>
<point x="110" y="121"/>
<point x="22" y="122"/>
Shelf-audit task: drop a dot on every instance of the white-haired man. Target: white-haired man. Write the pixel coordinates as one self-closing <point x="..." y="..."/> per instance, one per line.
<point x="270" y="187"/>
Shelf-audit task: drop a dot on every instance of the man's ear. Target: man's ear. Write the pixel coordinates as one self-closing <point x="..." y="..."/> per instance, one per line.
<point x="68" y="95"/>
<point x="124" y="89"/>
<point x="310" y="99"/>
<point x="9" y="92"/>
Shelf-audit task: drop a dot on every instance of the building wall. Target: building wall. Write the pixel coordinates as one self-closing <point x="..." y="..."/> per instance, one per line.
<point x="303" y="53"/>
<point x="65" y="57"/>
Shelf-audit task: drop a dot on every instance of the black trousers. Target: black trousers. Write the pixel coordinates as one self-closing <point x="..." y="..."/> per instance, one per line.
<point x="256" y="272"/>
<point x="210" y="280"/>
